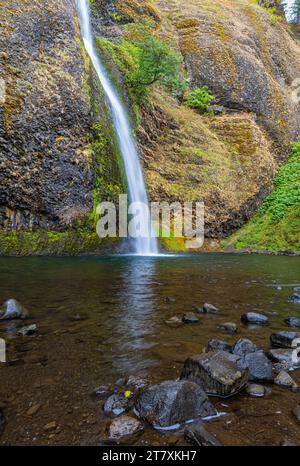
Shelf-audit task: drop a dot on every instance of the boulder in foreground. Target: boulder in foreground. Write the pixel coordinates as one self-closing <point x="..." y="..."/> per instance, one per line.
<point x="216" y="372"/>
<point x="284" y="339"/>
<point x="173" y="402"/>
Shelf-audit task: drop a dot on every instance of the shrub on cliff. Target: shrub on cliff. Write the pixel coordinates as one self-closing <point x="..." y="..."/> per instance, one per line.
<point x="199" y="98"/>
<point x="145" y="60"/>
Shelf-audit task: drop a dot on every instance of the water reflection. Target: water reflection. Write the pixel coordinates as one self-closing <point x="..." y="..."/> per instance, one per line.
<point x="137" y="309"/>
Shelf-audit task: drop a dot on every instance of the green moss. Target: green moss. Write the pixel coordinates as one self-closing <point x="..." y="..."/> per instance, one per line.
<point x="52" y="243"/>
<point x="276" y="226"/>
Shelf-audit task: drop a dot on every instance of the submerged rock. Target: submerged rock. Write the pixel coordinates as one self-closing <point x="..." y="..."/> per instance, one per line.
<point x="255" y="390"/>
<point x="216" y="372"/>
<point x="259" y="366"/>
<point x="254" y="318"/>
<point x="294" y="298"/>
<point x="190" y="318"/>
<point x="173" y="402"/>
<point x="292" y="321"/>
<point x="284" y="339"/>
<point x="218" y="345"/>
<point x="284" y="356"/>
<point x="243" y="346"/>
<point x="27" y="331"/>
<point x="199" y="436"/>
<point x="116" y="405"/>
<point x="210" y="309"/>
<point x="103" y="391"/>
<point x="124" y="426"/>
<point x="285" y="380"/>
<point x="174" y="321"/>
<point x="12" y="309"/>
<point x="229" y="327"/>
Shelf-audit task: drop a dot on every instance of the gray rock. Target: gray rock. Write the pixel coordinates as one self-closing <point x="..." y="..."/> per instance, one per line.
<point x="116" y="405"/>
<point x="190" y="318"/>
<point x="297" y="289"/>
<point x="12" y="309"/>
<point x="136" y="383"/>
<point x="103" y="391"/>
<point x="254" y="318"/>
<point x="216" y="372"/>
<point x="285" y="380"/>
<point x="294" y="298"/>
<point x="216" y="109"/>
<point x="229" y="327"/>
<point x="210" y="309"/>
<point x="27" y="331"/>
<point x="259" y="366"/>
<point x="200" y="437"/>
<point x="124" y="426"/>
<point x="285" y="357"/>
<point x="292" y="321"/>
<point x="255" y="390"/>
<point x="173" y="402"/>
<point x="174" y="321"/>
<point x="296" y="412"/>
<point x="218" y="345"/>
<point x="284" y="339"/>
<point x="244" y="346"/>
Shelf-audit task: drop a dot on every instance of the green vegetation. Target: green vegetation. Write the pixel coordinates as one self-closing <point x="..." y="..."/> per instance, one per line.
<point x="199" y="98"/>
<point x="145" y="60"/>
<point x="276" y="226"/>
<point x="52" y="243"/>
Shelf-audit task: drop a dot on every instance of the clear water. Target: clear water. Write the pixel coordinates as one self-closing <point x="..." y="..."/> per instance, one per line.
<point x="122" y="303"/>
<point x="135" y="180"/>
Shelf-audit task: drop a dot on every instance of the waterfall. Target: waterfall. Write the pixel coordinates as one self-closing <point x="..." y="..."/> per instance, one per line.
<point x="127" y="146"/>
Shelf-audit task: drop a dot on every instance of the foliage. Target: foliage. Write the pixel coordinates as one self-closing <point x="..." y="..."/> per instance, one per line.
<point x="276" y="226"/>
<point x="146" y="60"/>
<point x="199" y="98"/>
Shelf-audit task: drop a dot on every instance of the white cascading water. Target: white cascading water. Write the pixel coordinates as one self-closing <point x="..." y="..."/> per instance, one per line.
<point x="135" y="180"/>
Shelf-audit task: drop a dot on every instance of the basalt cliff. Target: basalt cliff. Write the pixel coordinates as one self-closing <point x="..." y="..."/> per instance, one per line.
<point x="58" y="153"/>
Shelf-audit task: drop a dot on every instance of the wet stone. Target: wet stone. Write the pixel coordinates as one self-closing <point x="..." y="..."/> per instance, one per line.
<point x="12" y="309"/>
<point x="50" y="426"/>
<point x="259" y="366"/>
<point x="285" y="380"/>
<point x="103" y="391"/>
<point x="33" y="409"/>
<point x="294" y="298"/>
<point x="243" y="346"/>
<point x="190" y="318"/>
<point x="254" y="318"/>
<point x="124" y="426"/>
<point x="28" y="331"/>
<point x="292" y="322"/>
<point x="284" y="339"/>
<point x="216" y="372"/>
<point x="218" y="345"/>
<point x="199" y="436"/>
<point x="285" y="357"/>
<point x="229" y="327"/>
<point x="173" y="402"/>
<point x="210" y="309"/>
<point x="116" y="405"/>
<point x="255" y="390"/>
<point x="174" y="321"/>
